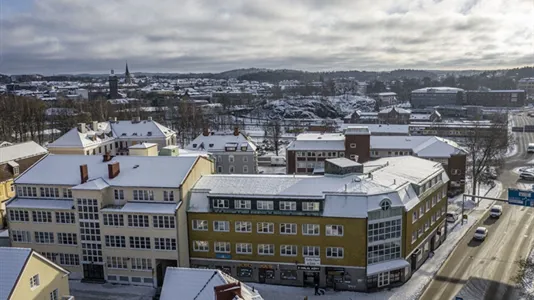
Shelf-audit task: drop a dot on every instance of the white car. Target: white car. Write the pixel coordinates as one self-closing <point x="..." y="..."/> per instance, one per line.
<point x="481" y="233"/>
<point x="452" y="217"/>
<point x="526" y="175"/>
<point x="496" y="211"/>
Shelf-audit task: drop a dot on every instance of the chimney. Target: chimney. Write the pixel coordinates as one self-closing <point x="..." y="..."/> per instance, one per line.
<point x="205" y="131"/>
<point x="236" y="131"/>
<point x="113" y="170"/>
<point x="95" y="125"/>
<point x="84" y="174"/>
<point x="107" y="157"/>
<point x="81" y="127"/>
<point x="115" y="119"/>
<point x="149" y="118"/>
<point x="228" y="291"/>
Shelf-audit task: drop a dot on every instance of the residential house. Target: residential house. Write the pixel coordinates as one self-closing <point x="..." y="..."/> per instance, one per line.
<point x="112" y="136"/>
<point x="205" y="284"/>
<point x="359" y="227"/>
<point x="14" y="160"/>
<point x="119" y="219"/>
<point x="234" y="153"/>
<point x="27" y="274"/>
<point x="394" y="115"/>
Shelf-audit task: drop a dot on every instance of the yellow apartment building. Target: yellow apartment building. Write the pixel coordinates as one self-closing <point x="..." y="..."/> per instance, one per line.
<point x="119" y="219"/>
<point x="351" y="228"/>
<point x="28" y="275"/>
<point x="14" y="160"/>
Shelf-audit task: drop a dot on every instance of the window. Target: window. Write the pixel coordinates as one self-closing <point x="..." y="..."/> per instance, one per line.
<point x="432" y="219"/>
<point x="311" y="206"/>
<point x="414" y="216"/>
<point x="222" y="247"/>
<point x="265" y="205"/>
<point x="18" y="216"/>
<point x="143" y="195"/>
<point x="115" y="241"/>
<point x="221" y="226"/>
<point x="288" y="205"/>
<point x="385" y="204"/>
<point x="168" y="196"/>
<point x="242" y="204"/>
<point x="421" y="211"/>
<point x="113" y="220"/>
<point x="288" y="228"/>
<point x="139" y="242"/>
<point x="455" y="172"/>
<point x="87" y="209"/>
<point x="67" y="193"/>
<point x="383" y="252"/>
<point x="119" y="194"/>
<point x="334" y="252"/>
<point x="42" y="216"/>
<point x="65" y="218"/>
<point x="442" y="211"/>
<point x="434" y="200"/>
<point x="21" y="236"/>
<point x="163" y="222"/>
<point x="200" y="225"/>
<point x="54" y="295"/>
<point x="310" y="229"/>
<point x="288" y="250"/>
<point x="243" y="226"/>
<point x="141" y="264"/>
<point x="221" y="203"/>
<point x="428" y="205"/>
<point x="245" y="169"/>
<point x="47" y="192"/>
<point x="231" y="158"/>
<point x="201" y="246"/>
<point x="219" y="169"/>
<point x="264" y="227"/>
<point x="265" y="249"/>
<point x="138" y="221"/>
<point x="231" y="169"/>
<point x="44" y="237"/>
<point x="243" y="248"/>
<point x="384" y="231"/>
<point x="420" y="231"/>
<point x="67" y="238"/>
<point x="353" y="145"/>
<point x="68" y="259"/>
<point x="114" y="262"/>
<point x="26" y="191"/>
<point x="334" y="230"/>
<point x="34" y="281"/>
<point x="414" y="236"/>
<point x="427" y="225"/>
<point x="310" y="251"/>
<point x="168" y="244"/>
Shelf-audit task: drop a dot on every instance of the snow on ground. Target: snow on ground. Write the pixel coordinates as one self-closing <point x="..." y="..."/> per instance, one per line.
<point x="411" y="290"/>
<point x="108" y="291"/>
<point x="455" y="203"/>
<point x="511" y="151"/>
<point x="528" y="280"/>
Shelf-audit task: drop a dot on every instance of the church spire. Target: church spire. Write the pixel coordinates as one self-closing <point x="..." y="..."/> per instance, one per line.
<point x="128" y="77"/>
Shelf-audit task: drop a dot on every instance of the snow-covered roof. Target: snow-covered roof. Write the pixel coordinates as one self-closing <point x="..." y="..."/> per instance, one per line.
<point x="144" y="128"/>
<point x="438" y="89"/>
<point x="405" y="169"/>
<point x="12" y="261"/>
<point x="20" y="151"/>
<point x="422" y="146"/>
<point x="386" y="266"/>
<point x="383" y="128"/>
<point x="144" y="207"/>
<point x="387" y="94"/>
<point x="40" y="203"/>
<point x="217" y="141"/>
<point x="136" y="171"/>
<point x="200" y="284"/>
<point x="97" y="184"/>
<point x="343" y="162"/>
<point x="143" y="146"/>
<point x="318" y="141"/>
<point x="397" y="109"/>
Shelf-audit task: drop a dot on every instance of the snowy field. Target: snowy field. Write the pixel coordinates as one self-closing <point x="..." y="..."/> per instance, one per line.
<point x="455" y="203"/>
<point x="411" y="290"/>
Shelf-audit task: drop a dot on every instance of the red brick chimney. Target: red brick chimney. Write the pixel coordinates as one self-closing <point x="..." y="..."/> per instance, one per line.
<point x="205" y="131"/>
<point x="228" y="291"/>
<point x="236" y="131"/>
<point x="113" y="170"/>
<point x="107" y="157"/>
<point x="84" y="173"/>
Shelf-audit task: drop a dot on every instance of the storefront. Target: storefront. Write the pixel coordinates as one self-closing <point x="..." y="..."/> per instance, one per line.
<point x="311" y="275"/>
<point x="387" y="274"/>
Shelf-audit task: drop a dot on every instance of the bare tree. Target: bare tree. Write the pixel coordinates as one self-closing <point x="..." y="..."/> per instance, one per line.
<point x="486" y="145"/>
<point x="273" y="132"/>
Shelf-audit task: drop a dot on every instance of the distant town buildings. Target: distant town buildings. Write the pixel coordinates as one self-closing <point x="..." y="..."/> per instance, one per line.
<point x="527" y="84"/>
<point x="434" y="96"/>
<point x="496" y="98"/>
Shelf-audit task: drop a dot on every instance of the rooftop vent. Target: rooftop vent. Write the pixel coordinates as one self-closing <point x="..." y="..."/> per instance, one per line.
<point x="136" y="166"/>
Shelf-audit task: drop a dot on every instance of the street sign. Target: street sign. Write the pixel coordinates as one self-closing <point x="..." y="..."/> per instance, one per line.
<point x="521" y="197"/>
<point x="458" y="298"/>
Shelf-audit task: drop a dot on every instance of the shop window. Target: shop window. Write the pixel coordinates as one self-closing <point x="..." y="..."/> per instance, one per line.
<point x="288" y="274"/>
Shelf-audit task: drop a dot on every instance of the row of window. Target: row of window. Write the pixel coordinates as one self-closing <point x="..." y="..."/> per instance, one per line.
<point x="383" y="231"/>
<point x="163" y="222"/>
<point x="321" y="153"/>
<point x="231" y="169"/>
<point x="144" y="195"/>
<point x="416" y="234"/>
<point x="64" y="259"/>
<point x="140" y="242"/>
<point x="44" y="192"/>
<point x="138" y="264"/>
<point x="42" y="237"/>
<point x="267" y="227"/>
<point x="266" y="205"/>
<point x="267" y="249"/>
<point x="431" y="183"/>
<point x="427" y="205"/>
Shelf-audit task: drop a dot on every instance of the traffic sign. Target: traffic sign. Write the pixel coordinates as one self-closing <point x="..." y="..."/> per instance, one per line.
<point x="521" y="197"/>
<point x="458" y="298"/>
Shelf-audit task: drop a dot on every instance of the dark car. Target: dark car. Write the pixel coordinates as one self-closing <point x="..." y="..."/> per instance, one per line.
<point x="453" y="193"/>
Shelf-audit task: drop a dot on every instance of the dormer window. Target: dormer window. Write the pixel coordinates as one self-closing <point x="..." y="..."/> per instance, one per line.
<point x="194" y="145"/>
<point x="211" y="145"/>
<point x="385" y="204"/>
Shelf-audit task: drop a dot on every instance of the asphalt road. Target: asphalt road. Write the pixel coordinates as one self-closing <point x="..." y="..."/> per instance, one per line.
<point x="494" y="260"/>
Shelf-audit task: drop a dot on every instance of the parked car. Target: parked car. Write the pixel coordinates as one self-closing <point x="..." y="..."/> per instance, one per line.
<point x="452" y="217"/>
<point x="481" y="233"/>
<point x="496" y="211"/>
<point x="453" y="193"/>
<point x="527" y="175"/>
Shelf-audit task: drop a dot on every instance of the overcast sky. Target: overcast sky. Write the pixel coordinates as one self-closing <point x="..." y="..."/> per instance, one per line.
<point x="74" y="36"/>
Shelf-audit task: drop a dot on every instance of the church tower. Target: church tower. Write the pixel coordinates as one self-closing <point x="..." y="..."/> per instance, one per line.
<point x="127" y="76"/>
<point x="113" y="86"/>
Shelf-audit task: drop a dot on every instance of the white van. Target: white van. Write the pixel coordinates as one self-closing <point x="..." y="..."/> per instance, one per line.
<point x="530" y="148"/>
<point x="278" y="161"/>
<point x="496" y="211"/>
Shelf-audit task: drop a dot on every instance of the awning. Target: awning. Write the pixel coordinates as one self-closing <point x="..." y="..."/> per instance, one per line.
<point x="386" y="266"/>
